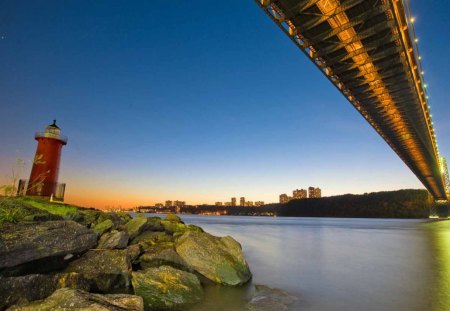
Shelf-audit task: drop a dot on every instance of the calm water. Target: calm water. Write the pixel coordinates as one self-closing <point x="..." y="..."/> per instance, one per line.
<point x="339" y="264"/>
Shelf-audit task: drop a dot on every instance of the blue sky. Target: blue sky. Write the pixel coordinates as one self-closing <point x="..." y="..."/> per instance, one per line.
<point x="196" y="101"/>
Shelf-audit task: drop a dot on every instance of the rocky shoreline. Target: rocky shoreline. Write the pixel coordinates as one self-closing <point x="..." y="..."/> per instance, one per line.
<point x="65" y="257"/>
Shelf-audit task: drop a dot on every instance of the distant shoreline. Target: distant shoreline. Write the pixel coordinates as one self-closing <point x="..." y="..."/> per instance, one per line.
<point x="408" y="203"/>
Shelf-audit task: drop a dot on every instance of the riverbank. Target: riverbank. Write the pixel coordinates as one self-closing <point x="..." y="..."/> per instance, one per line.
<point x="63" y="256"/>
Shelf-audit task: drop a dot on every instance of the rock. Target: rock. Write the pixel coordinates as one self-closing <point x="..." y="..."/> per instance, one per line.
<point x="118" y="219"/>
<point x="167" y="288"/>
<point x="103" y="226"/>
<point x="73" y="299"/>
<point x="218" y="259"/>
<point x="155" y="257"/>
<point x="109" y="269"/>
<point x="113" y="239"/>
<point x="172" y="227"/>
<point x="173" y="217"/>
<point x="135" y="226"/>
<point x="270" y="299"/>
<point x="133" y="252"/>
<point x="24" y="242"/>
<point x="154" y="224"/>
<point x="88" y="216"/>
<point x="37" y="286"/>
<point x="148" y="238"/>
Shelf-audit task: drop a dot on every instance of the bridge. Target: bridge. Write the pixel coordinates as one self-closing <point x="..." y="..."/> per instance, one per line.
<point x="368" y="50"/>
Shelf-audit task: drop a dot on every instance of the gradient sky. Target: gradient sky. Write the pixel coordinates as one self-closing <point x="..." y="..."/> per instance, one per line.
<point x="192" y="100"/>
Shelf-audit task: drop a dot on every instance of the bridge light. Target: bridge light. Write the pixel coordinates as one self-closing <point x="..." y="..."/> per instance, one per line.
<point x="422" y="72"/>
<point x="412" y="19"/>
<point x="420" y="57"/>
<point x="425" y="85"/>
<point x="416" y="40"/>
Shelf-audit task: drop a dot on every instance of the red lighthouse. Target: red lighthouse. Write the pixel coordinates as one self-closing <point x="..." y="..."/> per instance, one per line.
<point x="44" y="174"/>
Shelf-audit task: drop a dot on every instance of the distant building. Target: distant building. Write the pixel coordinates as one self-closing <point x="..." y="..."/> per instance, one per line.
<point x="242" y="201"/>
<point x="168" y="203"/>
<point x="227" y="203"/>
<point x="179" y="203"/>
<point x="300" y="194"/>
<point x="314" y="192"/>
<point x="233" y="201"/>
<point x="259" y="203"/>
<point x="284" y="198"/>
<point x="218" y="204"/>
<point x="159" y="205"/>
<point x="248" y="203"/>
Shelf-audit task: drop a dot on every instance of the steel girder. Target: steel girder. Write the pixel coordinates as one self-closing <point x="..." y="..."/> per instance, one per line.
<point x="365" y="50"/>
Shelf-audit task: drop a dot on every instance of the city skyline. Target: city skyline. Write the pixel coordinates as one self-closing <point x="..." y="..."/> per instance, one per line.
<point x="150" y="116"/>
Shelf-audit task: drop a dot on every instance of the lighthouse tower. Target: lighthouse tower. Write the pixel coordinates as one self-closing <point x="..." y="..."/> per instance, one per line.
<point x="44" y="174"/>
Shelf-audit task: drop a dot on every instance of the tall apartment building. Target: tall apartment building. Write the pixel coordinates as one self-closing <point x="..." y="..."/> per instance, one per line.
<point x="284" y="198"/>
<point x="233" y="201"/>
<point x="314" y="192"/>
<point x="299" y="194"/>
<point x="179" y="203"/>
<point x="242" y="201"/>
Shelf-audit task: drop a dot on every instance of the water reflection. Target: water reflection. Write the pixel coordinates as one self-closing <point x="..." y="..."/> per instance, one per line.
<point x="440" y="248"/>
<point x="339" y="264"/>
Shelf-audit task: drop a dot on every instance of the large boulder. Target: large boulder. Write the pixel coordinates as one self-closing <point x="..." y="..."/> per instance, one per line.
<point x="37" y="286"/>
<point x="173" y="217"/>
<point x="270" y="299"/>
<point x="136" y="226"/>
<point x="109" y="269"/>
<point x="103" y="227"/>
<point x="72" y="299"/>
<point x="218" y="259"/>
<point x="113" y="239"/>
<point x="24" y="242"/>
<point x="167" y="288"/>
<point x="159" y="256"/>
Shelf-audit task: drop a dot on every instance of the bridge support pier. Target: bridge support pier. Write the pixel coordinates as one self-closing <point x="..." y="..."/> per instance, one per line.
<point x="440" y="209"/>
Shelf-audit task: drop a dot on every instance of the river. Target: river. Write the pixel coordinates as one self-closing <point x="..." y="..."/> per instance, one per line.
<point x="334" y="264"/>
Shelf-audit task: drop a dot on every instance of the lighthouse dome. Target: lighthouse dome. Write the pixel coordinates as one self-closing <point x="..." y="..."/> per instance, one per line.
<point x="53" y="129"/>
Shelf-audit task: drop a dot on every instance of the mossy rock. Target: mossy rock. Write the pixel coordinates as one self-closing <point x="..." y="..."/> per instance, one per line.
<point x="109" y="269"/>
<point x="218" y="259"/>
<point x="113" y="239"/>
<point x="167" y="288"/>
<point x="173" y="217"/>
<point x="172" y="227"/>
<point x="103" y="227"/>
<point x="37" y="286"/>
<point x="27" y="242"/>
<point x="118" y="219"/>
<point x="73" y="299"/>
<point x="149" y="238"/>
<point x="162" y="256"/>
<point x="136" y="226"/>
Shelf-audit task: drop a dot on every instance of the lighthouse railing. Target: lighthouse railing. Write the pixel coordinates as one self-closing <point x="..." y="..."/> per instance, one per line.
<point x="51" y="135"/>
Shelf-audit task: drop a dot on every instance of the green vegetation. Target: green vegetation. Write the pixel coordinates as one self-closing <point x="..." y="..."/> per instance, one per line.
<point x="65" y="210"/>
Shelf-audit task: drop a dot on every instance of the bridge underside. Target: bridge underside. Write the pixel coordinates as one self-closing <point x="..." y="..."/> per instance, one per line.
<point x="364" y="48"/>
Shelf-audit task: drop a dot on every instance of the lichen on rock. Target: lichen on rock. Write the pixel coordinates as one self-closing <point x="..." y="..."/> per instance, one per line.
<point x="166" y="288"/>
